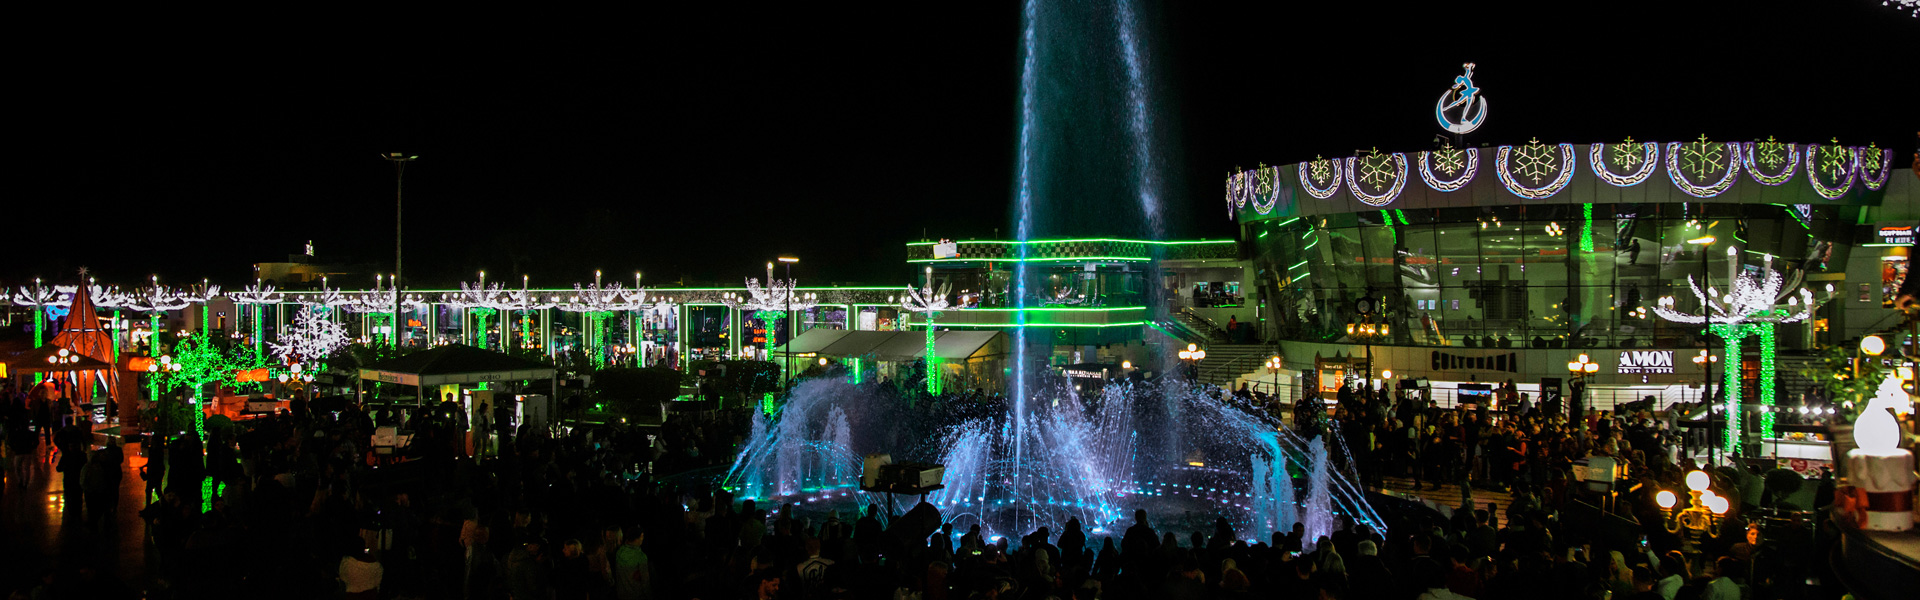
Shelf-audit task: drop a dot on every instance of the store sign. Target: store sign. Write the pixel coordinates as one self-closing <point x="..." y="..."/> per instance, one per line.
<point x="1895" y="235"/>
<point x="946" y="249"/>
<point x="1079" y="374"/>
<point x="1642" y="362"/>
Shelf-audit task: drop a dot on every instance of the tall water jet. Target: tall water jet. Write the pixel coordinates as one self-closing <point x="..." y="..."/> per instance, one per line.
<point x="1318" y="513"/>
<point x="1023" y="226"/>
<point x="1146" y="166"/>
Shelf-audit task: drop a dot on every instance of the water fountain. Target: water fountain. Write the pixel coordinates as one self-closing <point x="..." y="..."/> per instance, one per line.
<point x="1045" y="454"/>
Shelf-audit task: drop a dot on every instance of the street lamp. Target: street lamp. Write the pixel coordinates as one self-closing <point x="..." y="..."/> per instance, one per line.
<point x="1193" y="354"/>
<point x="399" y="160"/>
<point x="1273" y="368"/>
<point x="1701" y="515"/>
<point x="296" y="379"/>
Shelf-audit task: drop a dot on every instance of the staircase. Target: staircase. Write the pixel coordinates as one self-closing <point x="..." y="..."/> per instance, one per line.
<point x="1226" y="363"/>
<point x="1201" y="325"/>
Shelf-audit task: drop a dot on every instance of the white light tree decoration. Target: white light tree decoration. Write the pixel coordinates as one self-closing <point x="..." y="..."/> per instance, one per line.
<point x="40" y="296"/>
<point x="156" y="300"/>
<point x="523" y="301"/>
<point x="1752" y="308"/>
<point x="929" y="301"/>
<point x="312" y="337"/>
<point x="770" y="304"/>
<point x="379" y="302"/>
<point x="478" y="299"/>
<point x="597" y="302"/>
<point x="255" y="297"/>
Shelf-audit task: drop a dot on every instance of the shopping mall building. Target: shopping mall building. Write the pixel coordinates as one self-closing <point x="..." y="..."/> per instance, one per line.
<point x="1461" y="267"/>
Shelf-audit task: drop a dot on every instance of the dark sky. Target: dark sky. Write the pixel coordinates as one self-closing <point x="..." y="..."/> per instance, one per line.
<point x="700" y="142"/>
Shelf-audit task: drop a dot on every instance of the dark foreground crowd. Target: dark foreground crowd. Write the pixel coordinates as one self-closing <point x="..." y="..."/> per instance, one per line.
<point x="303" y="509"/>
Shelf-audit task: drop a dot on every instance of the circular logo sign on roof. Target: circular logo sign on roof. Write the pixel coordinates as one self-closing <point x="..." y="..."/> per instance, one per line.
<point x="1464" y="96"/>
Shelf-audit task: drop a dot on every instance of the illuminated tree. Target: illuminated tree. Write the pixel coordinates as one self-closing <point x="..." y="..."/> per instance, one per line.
<point x="1751" y="308"/>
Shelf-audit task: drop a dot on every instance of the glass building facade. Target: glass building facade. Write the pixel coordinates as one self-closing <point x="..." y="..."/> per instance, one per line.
<point x="1528" y="276"/>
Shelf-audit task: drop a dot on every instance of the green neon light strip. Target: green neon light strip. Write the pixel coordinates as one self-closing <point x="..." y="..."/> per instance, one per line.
<point x="1031" y="242"/>
<point x="1586" y="233"/>
<point x="1297" y="265"/>
<point x="1286" y="222"/>
<point x="1880" y="245"/>
<point x="1065" y="259"/>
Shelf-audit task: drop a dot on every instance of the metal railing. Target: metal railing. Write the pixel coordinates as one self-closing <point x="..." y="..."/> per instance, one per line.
<point x="1236" y="366"/>
<point x="1207" y="327"/>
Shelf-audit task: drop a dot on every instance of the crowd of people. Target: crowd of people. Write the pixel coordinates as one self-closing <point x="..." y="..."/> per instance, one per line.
<point x="300" y="506"/>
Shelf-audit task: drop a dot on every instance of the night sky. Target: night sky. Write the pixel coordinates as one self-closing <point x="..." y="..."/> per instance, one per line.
<point x="697" y="143"/>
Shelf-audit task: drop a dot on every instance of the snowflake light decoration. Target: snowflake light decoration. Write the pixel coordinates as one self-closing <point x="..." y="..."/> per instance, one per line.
<point x="1873" y="164"/>
<point x="1321" y="177"/>
<point x="313" y="336"/>
<point x="778" y="295"/>
<point x="1268" y="188"/>
<point x="1770" y="155"/>
<point x="1640" y="158"/>
<point x="1839" y="163"/>
<point x="1449" y="160"/>
<point x="1239" y="190"/>
<point x="1535" y="161"/>
<point x="1384" y="172"/>
<point x="1702" y="159"/>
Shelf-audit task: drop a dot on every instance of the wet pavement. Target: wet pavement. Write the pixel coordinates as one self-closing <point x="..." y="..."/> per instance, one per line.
<point x="40" y="529"/>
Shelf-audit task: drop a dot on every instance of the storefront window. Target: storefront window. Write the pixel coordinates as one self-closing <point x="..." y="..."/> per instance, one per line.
<point x="1541" y="276"/>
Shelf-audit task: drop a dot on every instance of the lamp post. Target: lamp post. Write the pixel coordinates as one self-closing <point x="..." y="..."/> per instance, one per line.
<point x="1193" y="355"/>
<point x="1365" y="329"/>
<point x="1701" y="515"/>
<point x="769" y="304"/>
<point x="787" y="373"/>
<point x="399" y="160"/>
<point x="1273" y="368"/>
<point x="1580" y="370"/>
<point x="929" y="300"/>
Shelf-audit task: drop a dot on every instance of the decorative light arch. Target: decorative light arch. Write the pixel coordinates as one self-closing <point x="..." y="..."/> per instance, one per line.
<point x="1869" y="159"/>
<point x="1566" y="164"/>
<point x="1399" y="162"/>
<point x="1649" y="159"/>
<point x="1790" y="156"/>
<point x="1272" y="182"/>
<point x="1333" y="184"/>
<point x="1674" y="152"/>
<point x="1470" y="165"/>
<point x="1846" y="180"/>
